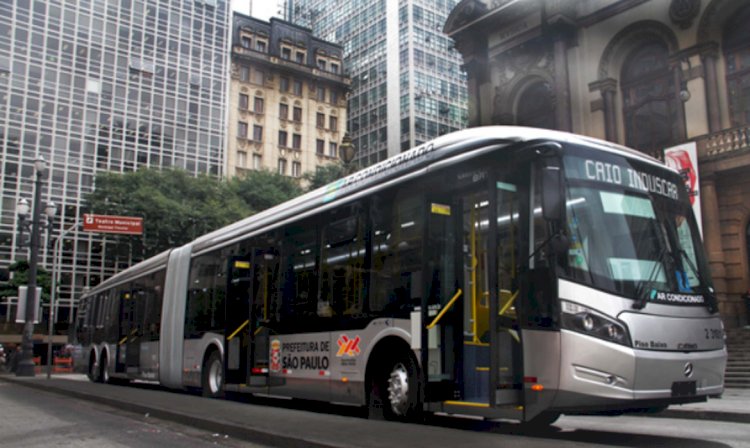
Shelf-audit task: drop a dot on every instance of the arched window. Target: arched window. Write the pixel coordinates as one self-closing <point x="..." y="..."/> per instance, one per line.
<point x="649" y="100"/>
<point x="536" y="106"/>
<point x="737" y="54"/>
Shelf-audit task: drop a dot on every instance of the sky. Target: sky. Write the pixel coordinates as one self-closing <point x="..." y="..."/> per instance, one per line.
<point x="262" y="9"/>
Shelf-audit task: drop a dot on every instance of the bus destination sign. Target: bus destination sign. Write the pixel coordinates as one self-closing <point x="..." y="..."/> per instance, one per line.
<point x="127" y="225"/>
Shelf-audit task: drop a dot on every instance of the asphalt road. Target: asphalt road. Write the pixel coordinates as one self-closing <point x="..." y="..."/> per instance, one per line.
<point x="32" y="418"/>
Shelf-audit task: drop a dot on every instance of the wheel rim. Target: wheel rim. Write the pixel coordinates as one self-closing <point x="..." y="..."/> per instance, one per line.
<point x="398" y="389"/>
<point x="215" y="377"/>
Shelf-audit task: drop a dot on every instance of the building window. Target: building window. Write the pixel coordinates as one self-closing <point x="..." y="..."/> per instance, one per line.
<point x="535" y="106"/>
<point x="333" y="123"/>
<point x="333" y="149"/>
<point x="282" y="167"/>
<point x="283" y="111"/>
<point x="299" y="57"/>
<point x="297" y="87"/>
<point x="242" y="129"/>
<point x="296" y="141"/>
<point x="320" y="147"/>
<point x="320" y="120"/>
<point x="284" y="84"/>
<point x="241" y="159"/>
<point x="736" y="44"/>
<point x="286" y="53"/>
<point x="282" y="139"/>
<point x="297" y="114"/>
<point x="334" y="68"/>
<point x="257" y="161"/>
<point x="649" y="100"/>
<point x="296" y="169"/>
<point x="258" y="133"/>
<point x="334" y="97"/>
<point x="259" y="105"/>
<point x="258" y="77"/>
<point x="322" y="64"/>
<point x="246" y="42"/>
<point x="244" y="73"/>
<point x="244" y="101"/>
<point x="320" y="93"/>
<point x="260" y="45"/>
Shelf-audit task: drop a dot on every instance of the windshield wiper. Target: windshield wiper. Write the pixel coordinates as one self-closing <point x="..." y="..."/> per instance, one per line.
<point x="711" y="302"/>
<point x="641" y="291"/>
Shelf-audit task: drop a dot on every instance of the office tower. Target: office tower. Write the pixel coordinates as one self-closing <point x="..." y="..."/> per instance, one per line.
<point x="287" y="98"/>
<point x="407" y="83"/>
<point x="93" y="86"/>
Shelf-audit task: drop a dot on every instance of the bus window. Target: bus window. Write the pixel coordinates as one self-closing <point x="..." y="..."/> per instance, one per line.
<point x="300" y="286"/>
<point x="205" y="308"/>
<point x="397" y="254"/>
<point x="342" y="263"/>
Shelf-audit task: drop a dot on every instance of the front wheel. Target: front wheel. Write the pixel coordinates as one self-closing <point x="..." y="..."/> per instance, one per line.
<point x="213" y="376"/>
<point x="397" y="389"/>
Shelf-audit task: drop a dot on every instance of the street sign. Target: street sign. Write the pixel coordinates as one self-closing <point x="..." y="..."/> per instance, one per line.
<point x="128" y="225"/>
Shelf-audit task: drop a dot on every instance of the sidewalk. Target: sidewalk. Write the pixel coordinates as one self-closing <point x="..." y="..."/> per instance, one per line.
<point x="733" y="406"/>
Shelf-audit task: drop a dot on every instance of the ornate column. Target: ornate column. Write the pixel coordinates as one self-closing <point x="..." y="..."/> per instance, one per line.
<point x="562" y="35"/>
<point x="708" y="57"/>
<point x="608" y="89"/>
<point x="712" y="238"/>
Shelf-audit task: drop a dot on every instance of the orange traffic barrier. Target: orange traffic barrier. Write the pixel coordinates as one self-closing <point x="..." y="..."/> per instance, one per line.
<point x="37" y="364"/>
<point x="62" y="365"/>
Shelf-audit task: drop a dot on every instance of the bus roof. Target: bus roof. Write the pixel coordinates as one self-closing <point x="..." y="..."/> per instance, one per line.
<point x="407" y="162"/>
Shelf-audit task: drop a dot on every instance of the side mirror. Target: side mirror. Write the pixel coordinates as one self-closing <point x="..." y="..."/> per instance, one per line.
<point x="553" y="194"/>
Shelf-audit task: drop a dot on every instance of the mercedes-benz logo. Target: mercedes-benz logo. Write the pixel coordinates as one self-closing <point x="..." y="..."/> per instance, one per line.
<point x="688" y="370"/>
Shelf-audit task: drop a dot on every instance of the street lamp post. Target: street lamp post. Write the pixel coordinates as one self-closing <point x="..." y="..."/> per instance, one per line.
<point x="26" y="363"/>
<point x="347" y="151"/>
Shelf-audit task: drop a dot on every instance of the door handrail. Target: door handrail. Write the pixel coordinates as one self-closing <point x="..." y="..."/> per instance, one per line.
<point x="244" y="324"/>
<point x="445" y="309"/>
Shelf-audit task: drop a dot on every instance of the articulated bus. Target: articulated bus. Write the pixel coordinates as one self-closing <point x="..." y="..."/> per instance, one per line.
<point x="500" y="272"/>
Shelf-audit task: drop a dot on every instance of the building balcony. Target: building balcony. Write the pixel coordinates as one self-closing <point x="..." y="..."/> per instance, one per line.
<point x="725" y="143"/>
<point x="242" y="53"/>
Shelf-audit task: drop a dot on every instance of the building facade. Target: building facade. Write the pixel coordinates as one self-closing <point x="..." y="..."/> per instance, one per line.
<point x="98" y="86"/>
<point x="407" y="84"/>
<point x="287" y="100"/>
<point x="649" y="74"/>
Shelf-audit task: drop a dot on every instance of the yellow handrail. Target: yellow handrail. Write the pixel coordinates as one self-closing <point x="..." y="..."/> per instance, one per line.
<point x="445" y="309"/>
<point x="238" y="330"/>
<point x="510" y="302"/>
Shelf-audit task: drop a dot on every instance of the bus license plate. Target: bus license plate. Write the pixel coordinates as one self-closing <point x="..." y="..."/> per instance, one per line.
<point x="683" y="388"/>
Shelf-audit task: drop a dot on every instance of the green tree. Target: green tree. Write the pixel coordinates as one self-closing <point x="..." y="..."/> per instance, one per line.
<point x="324" y="175"/>
<point x="20" y="270"/>
<point x="175" y="206"/>
<point x="263" y="189"/>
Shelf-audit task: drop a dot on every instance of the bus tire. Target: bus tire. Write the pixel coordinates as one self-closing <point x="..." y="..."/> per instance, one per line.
<point x="103" y="369"/>
<point x="396" y="388"/>
<point x="542" y="421"/>
<point x="93" y="369"/>
<point x="213" y="376"/>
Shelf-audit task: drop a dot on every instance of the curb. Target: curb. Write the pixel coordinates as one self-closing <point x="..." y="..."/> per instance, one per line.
<point x="731" y="417"/>
<point x="238" y="432"/>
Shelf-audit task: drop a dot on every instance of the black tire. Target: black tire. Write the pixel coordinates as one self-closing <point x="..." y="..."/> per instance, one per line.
<point x="395" y="391"/>
<point x="542" y="421"/>
<point x="93" y="369"/>
<point x="213" y="376"/>
<point x="103" y="369"/>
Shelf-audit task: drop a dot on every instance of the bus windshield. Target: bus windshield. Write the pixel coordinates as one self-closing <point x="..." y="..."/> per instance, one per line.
<point x="632" y="231"/>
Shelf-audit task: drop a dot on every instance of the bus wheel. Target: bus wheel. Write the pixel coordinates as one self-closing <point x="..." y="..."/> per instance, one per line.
<point x="93" y="373"/>
<point x="399" y="389"/>
<point x="104" y="369"/>
<point x="213" y="376"/>
<point x="542" y="421"/>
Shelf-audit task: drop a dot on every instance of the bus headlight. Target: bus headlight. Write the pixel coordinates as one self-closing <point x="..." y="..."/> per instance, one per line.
<point x="587" y="321"/>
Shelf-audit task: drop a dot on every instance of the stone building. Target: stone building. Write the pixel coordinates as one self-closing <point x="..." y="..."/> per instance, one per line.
<point x="649" y="74"/>
<point x="287" y="100"/>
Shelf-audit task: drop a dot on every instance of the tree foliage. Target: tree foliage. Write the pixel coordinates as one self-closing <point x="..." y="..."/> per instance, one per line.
<point x="20" y="270"/>
<point x="177" y="207"/>
<point x="324" y="175"/>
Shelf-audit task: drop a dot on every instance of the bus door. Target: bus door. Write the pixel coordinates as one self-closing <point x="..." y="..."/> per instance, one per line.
<point x="265" y="281"/>
<point x="127" y="349"/>
<point x="237" y="331"/>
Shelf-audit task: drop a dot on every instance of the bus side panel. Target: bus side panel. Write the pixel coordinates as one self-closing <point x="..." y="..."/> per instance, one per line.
<point x="194" y="350"/>
<point x="349" y="357"/>
<point x="173" y="317"/>
<point x="149" y="360"/>
<point x="541" y="365"/>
